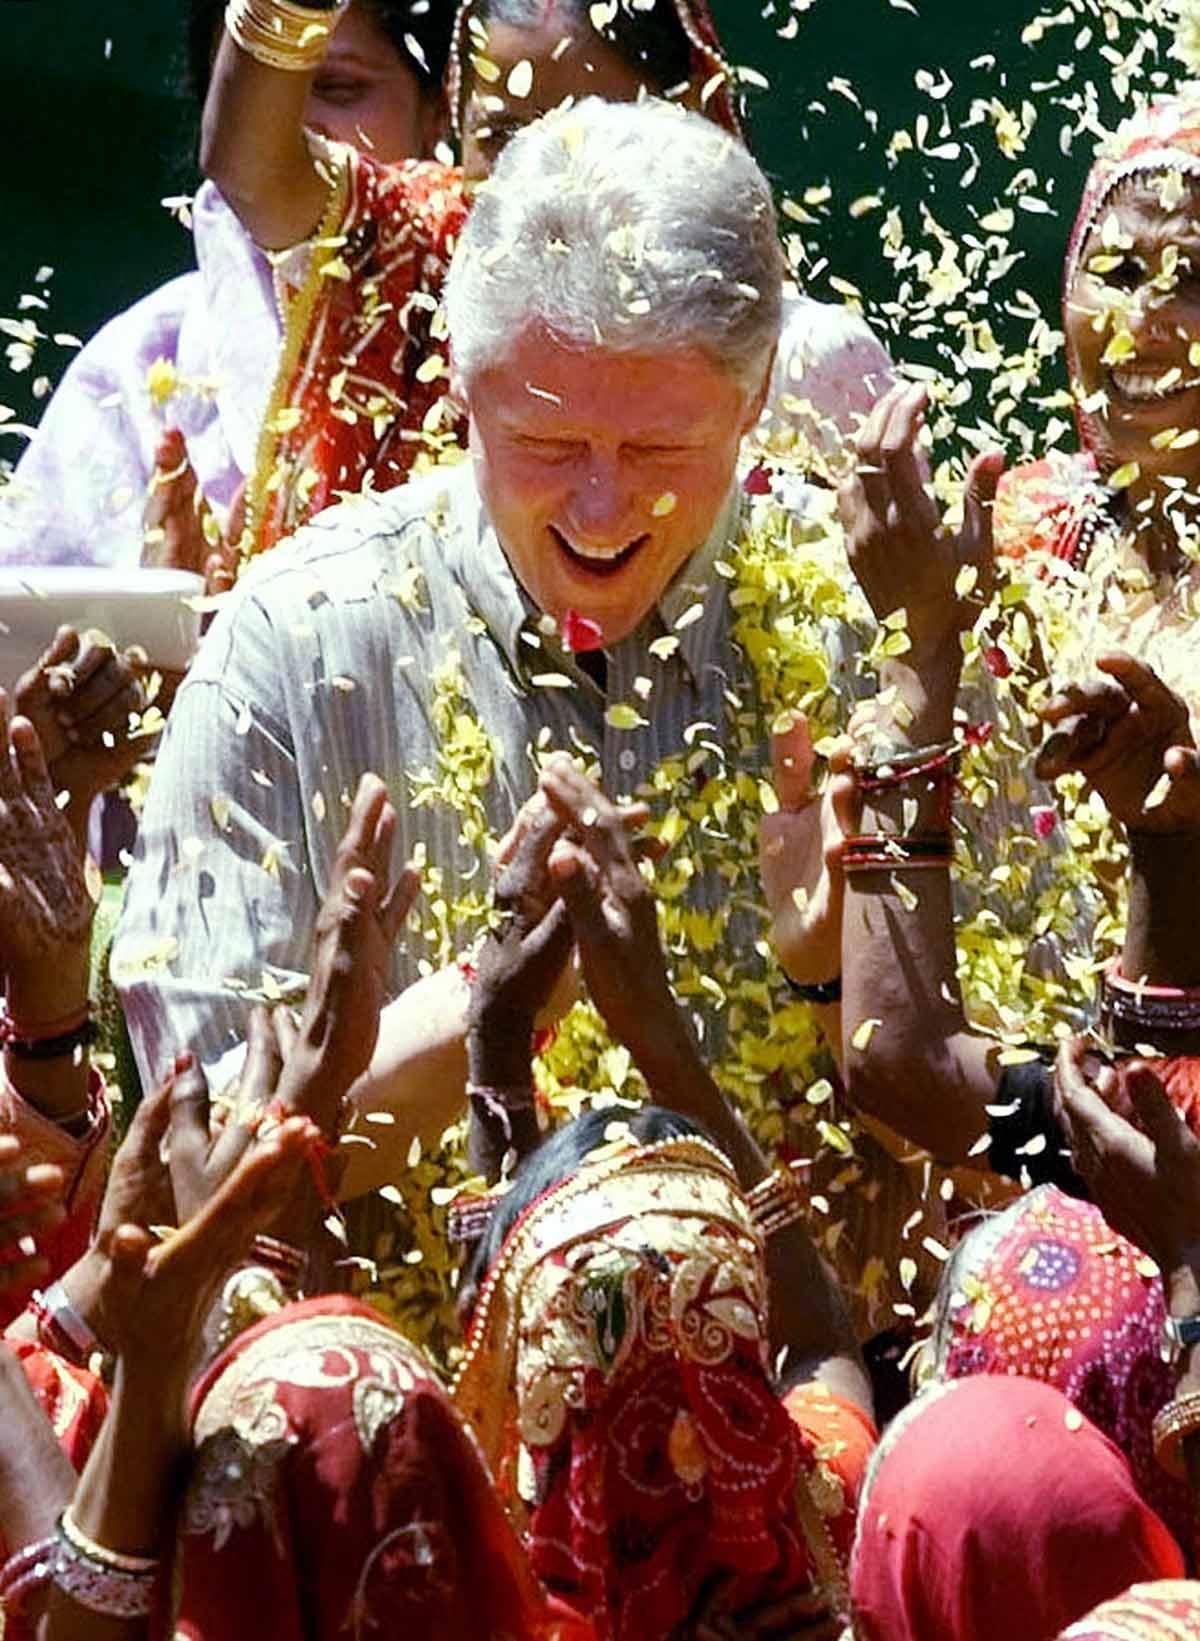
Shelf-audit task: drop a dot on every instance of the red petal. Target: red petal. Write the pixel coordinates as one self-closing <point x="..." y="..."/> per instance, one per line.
<point x="1045" y="819"/>
<point x="757" y="481"/>
<point x="579" y="634"/>
<point x="996" y="662"/>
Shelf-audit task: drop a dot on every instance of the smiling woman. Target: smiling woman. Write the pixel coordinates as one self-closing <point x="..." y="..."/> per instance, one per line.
<point x="1131" y="299"/>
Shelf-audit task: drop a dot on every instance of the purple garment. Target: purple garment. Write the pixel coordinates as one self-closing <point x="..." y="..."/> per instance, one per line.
<point x="78" y="493"/>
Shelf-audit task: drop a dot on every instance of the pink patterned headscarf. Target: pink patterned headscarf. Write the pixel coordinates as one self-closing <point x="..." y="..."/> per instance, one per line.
<point x="1163" y="137"/>
<point x="1048" y="1290"/>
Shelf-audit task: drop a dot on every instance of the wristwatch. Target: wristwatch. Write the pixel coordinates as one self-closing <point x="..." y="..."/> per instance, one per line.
<point x="1180" y="1333"/>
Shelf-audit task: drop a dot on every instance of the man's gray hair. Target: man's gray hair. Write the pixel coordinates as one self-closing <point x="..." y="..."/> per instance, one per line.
<point x="630" y="226"/>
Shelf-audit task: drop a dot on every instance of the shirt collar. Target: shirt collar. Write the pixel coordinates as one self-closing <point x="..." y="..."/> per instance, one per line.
<point x="503" y="604"/>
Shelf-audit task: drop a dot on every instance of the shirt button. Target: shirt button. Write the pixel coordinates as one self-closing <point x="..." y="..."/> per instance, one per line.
<point x="627" y="760"/>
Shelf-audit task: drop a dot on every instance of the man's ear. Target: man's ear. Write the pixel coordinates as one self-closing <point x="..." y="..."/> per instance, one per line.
<point x="758" y="403"/>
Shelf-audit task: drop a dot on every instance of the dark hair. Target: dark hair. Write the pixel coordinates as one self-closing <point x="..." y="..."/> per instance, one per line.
<point x="652" y="43"/>
<point x="429" y="25"/>
<point x="560" y="1157"/>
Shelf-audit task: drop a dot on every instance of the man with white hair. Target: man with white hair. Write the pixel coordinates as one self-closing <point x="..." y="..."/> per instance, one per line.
<point x="614" y="307"/>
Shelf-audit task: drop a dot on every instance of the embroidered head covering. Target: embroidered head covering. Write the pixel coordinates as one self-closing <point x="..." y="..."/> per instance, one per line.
<point x="994" y="1510"/>
<point x="1056" y="504"/>
<point x="641" y="1446"/>
<point x="1168" y="1611"/>
<point x="334" y="1489"/>
<point x="1049" y="1290"/>
<point x="711" y="75"/>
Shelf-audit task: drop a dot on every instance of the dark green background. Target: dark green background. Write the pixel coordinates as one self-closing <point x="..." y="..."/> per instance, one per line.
<point x="94" y="132"/>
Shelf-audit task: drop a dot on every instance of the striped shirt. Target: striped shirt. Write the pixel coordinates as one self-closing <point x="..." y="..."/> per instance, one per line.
<point x="332" y="658"/>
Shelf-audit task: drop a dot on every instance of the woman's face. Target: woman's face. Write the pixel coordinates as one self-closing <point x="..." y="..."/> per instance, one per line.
<point x="1133" y="326"/>
<point x="366" y="93"/>
<point x="562" y="66"/>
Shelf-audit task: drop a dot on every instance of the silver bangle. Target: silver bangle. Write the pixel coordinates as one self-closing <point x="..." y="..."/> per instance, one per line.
<point x="104" y="1582"/>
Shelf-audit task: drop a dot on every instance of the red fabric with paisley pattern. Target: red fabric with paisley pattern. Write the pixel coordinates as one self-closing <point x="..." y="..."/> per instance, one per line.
<point x="364" y="360"/>
<point x="336" y="1496"/>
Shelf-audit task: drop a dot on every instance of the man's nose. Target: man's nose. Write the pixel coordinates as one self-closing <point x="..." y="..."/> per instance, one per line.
<point x="600" y="502"/>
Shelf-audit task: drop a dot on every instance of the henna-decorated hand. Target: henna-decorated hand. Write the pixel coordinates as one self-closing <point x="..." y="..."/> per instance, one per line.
<point x="901" y="553"/>
<point x="1130" y="737"/>
<point x="81" y="698"/>
<point x="45" y="907"/>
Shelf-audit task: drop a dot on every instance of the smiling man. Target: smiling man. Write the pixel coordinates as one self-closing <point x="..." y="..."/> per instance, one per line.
<point x="614" y="307"/>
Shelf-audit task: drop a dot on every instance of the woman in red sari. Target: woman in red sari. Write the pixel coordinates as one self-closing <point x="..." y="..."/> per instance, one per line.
<point x="1131" y="301"/>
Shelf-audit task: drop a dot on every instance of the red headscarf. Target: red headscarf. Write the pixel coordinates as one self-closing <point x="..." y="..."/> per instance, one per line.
<point x="616" y="1376"/>
<point x="335" y="1496"/>
<point x="1050" y="1291"/>
<point x="994" y="1512"/>
<point x="1169" y="1611"/>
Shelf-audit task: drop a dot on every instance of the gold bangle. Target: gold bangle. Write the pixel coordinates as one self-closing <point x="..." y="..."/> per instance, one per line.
<point x="137" y="1566"/>
<point x="280" y="34"/>
<point x="1174" y="1424"/>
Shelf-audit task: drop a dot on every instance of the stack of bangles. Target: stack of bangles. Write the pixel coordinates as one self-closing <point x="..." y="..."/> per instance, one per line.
<point x="777" y="1201"/>
<point x="1174" y="1424"/>
<point x="281" y="34"/>
<point x="117" y="1586"/>
<point x="886" y="851"/>
<point x="1150" y="1009"/>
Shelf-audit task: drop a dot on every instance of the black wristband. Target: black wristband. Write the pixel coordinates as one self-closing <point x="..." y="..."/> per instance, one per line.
<point x="824" y="992"/>
<point x="51" y="1048"/>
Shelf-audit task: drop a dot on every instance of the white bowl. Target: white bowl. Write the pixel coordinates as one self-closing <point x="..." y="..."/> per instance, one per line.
<point x="148" y="608"/>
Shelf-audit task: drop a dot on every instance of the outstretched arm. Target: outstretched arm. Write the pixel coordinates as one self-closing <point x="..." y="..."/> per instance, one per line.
<point x="918" y="1068"/>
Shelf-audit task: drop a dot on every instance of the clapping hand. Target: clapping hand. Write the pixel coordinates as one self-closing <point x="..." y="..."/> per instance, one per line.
<point x="901" y="553"/>
<point x="1130" y="737"/>
<point x="1140" y="1160"/>
<point x="81" y="697"/>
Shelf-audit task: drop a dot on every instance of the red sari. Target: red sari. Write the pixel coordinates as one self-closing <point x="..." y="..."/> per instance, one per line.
<point x="994" y="1512"/>
<point x="617" y="1379"/>
<point x="335" y="1494"/>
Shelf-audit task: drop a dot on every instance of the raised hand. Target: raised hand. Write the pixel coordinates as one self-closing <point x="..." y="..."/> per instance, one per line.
<point x="30" y="1204"/>
<point x="81" y="697"/>
<point x="357" y="926"/>
<point x="154" y="1296"/>
<point x="901" y="553"/>
<point x="45" y="906"/>
<point x="1130" y="737"/>
<point x="612" y="910"/>
<point x="799" y="863"/>
<point x="1140" y="1160"/>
